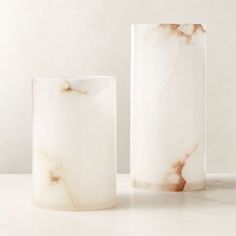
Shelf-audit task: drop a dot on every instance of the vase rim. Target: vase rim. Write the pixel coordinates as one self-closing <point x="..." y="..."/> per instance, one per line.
<point x="79" y="77"/>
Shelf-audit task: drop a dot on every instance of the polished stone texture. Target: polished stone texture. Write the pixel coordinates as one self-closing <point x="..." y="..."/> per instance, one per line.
<point x="211" y="212"/>
<point x="168" y="107"/>
<point x="74" y="143"/>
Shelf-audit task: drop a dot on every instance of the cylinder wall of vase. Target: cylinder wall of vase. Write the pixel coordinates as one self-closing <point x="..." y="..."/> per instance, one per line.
<point x="74" y="143"/>
<point x="168" y="106"/>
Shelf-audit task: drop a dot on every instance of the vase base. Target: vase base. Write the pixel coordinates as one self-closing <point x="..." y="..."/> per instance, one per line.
<point x="168" y="187"/>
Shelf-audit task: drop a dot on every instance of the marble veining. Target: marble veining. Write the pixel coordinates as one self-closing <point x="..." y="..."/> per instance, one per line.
<point x="54" y="177"/>
<point x="67" y="88"/>
<point x="176" y="30"/>
<point x="74" y="160"/>
<point x="168" y="106"/>
<point x="138" y="212"/>
<point x="176" y="173"/>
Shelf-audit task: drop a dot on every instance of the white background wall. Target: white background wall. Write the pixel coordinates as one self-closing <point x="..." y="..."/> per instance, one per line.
<point x="71" y="37"/>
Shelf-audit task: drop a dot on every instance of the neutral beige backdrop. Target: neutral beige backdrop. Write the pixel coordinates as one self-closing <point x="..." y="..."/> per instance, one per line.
<point x="71" y="37"/>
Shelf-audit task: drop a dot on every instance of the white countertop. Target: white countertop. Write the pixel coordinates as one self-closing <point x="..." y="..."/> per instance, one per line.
<point x="211" y="212"/>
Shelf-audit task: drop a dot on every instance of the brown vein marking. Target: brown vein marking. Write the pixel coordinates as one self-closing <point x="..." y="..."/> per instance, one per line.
<point x="176" y="170"/>
<point x="175" y="29"/>
<point x="54" y="178"/>
<point x="67" y="88"/>
<point x="56" y="175"/>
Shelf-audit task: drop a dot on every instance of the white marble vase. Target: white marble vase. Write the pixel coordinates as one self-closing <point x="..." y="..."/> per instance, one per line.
<point x="74" y="143"/>
<point x="168" y="106"/>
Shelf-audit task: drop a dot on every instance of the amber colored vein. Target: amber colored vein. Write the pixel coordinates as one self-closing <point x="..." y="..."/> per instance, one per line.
<point x="177" y="170"/>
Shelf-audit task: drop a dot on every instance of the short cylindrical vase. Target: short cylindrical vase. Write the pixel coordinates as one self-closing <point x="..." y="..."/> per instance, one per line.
<point x="74" y="143"/>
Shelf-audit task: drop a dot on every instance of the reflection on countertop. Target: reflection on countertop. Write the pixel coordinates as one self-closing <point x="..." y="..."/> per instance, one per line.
<point x="139" y="212"/>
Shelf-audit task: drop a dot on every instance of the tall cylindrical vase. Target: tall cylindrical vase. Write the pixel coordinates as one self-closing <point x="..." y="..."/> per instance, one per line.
<point x="168" y="106"/>
<point x="74" y="143"/>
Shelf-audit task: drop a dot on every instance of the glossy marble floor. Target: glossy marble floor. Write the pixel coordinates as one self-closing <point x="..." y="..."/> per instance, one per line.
<point x="211" y="212"/>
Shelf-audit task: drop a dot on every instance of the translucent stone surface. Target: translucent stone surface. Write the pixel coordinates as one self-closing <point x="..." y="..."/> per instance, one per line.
<point x="167" y="106"/>
<point x="74" y="148"/>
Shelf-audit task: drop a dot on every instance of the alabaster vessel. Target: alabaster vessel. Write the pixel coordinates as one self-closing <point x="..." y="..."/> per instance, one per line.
<point x="74" y="143"/>
<point x="168" y="106"/>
